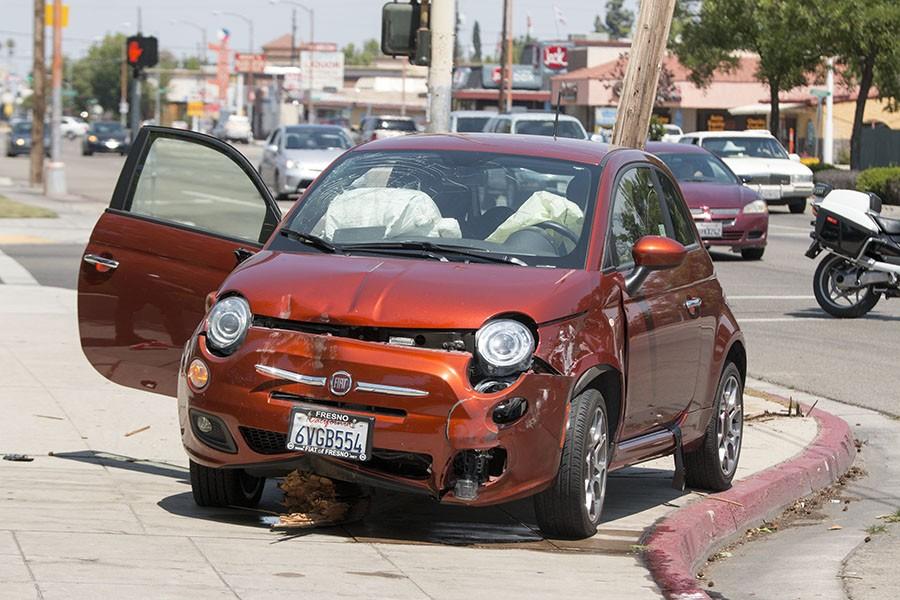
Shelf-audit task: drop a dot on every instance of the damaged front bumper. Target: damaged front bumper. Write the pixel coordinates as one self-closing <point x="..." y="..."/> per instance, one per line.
<point x="433" y="432"/>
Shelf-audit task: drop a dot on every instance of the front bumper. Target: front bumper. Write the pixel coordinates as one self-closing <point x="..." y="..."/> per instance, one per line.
<point x="781" y="193"/>
<point x="452" y="418"/>
<point x="742" y="231"/>
<point x="297" y="180"/>
<point x="107" y="146"/>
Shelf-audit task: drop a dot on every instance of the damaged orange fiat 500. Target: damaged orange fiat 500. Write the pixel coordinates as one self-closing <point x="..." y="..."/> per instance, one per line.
<point x="476" y="318"/>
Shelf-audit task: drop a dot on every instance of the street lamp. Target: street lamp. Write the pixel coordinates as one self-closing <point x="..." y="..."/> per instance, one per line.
<point x="249" y="23"/>
<point x="202" y="30"/>
<point x="312" y="38"/>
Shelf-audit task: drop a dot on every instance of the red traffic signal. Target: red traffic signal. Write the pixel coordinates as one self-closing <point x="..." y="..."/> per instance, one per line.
<point x="141" y="51"/>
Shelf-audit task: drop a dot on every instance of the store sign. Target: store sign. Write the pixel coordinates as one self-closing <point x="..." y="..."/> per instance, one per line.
<point x="321" y="69"/>
<point x="715" y="123"/>
<point x="249" y="63"/>
<point x="556" y="57"/>
<point x="757" y="123"/>
<point x="523" y="77"/>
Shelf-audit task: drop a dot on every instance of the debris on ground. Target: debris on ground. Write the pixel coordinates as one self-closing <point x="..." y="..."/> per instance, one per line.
<point x="315" y="501"/>
<point x="18" y="457"/>
<point x="138" y="430"/>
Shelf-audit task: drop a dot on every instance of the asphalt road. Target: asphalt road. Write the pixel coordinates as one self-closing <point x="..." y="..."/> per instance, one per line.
<point x="791" y="341"/>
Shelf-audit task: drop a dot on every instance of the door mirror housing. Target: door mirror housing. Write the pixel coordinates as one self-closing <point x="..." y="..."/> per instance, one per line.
<point x="653" y="253"/>
<point x="272" y="147"/>
<point x="746" y="178"/>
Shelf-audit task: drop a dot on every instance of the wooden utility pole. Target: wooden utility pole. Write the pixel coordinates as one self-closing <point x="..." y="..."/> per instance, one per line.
<point x="648" y="48"/>
<point x="39" y="100"/>
<point x="506" y="61"/>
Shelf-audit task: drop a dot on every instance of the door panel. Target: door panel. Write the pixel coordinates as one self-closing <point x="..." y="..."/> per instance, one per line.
<point x="184" y="203"/>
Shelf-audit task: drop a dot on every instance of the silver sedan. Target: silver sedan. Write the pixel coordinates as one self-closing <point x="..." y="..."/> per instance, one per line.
<point x="295" y="155"/>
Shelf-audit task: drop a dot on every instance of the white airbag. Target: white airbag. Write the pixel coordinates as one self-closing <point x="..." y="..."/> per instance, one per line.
<point x="541" y="206"/>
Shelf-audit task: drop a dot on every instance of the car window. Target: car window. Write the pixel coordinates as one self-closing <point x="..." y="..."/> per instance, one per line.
<point x="502" y="126"/>
<point x="567" y="129"/>
<point x="276" y="138"/>
<point x="315" y="138"/>
<point x="470" y="124"/>
<point x="224" y="201"/>
<point x="682" y="227"/>
<point x="698" y="167"/>
<point x="108" y="128"/>
<point x="396" y="125"/>
<point x="745" y="147"/>
<point x="636" y="213"/>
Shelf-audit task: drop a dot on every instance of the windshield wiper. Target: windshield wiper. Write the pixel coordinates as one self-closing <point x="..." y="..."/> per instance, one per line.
<point x="310" y="240"/>
<point x="438" y="249"/>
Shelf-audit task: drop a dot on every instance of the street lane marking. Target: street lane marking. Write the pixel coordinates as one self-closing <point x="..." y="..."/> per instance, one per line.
<point x="23" y="239"/>
<point x="730" y="297"/>
<point x="11" y="272"/>
<point x="806" y="229"/>
<point x="783" y="319"/>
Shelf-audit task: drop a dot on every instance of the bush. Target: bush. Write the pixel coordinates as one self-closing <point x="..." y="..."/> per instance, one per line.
<point x="884" y="181"/>
<point x="837" y="178"/>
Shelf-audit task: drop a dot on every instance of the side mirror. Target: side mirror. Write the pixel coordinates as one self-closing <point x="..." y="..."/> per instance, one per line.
<point x="272" y="147"/>
<point x="746" y="178"/>
<point x="794" y="157"/>
<point x="653" y="253"/>
<point x="822" y="189"/>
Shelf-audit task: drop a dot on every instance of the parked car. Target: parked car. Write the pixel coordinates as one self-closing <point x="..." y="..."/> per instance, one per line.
<point x="419" y="322"/>
<point x="672" y="133"/>
<point x="726" y="213"/>
<point x="536" y="123"/>
<point x="469" y="121"/>
<point x="105" y="136"/>
<point x="18" y="140"/>
<point x="234" y="128"/>
<point x="378" y="128"/>
<point x="761" y="161"/>
<point x="72" y="127"/>
<point x="295" y="155"/>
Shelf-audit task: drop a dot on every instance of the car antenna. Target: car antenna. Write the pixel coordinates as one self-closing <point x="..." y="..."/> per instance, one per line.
<point x="556" y="120"/>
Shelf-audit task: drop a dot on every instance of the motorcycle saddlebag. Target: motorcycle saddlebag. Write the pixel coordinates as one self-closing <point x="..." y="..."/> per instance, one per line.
<point x="839" y="234"/>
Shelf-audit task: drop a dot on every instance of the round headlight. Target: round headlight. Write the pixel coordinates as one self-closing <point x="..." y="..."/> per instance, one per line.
<point x="755" y="207"/>
<point x="290" y="164"/>
<point x="504" y="345"/>
<point x="227" y="324"/>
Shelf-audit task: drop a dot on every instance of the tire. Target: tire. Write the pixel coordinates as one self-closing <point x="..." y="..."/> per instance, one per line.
<point x="797" y="207"/>
<point x="821" y="286"/>
<point x="87" y="153"/>
<point x="704" y="467"/>
<point x="752" y="253"/>
<point x="561" y="509"/>
<point x="225" y="487"/>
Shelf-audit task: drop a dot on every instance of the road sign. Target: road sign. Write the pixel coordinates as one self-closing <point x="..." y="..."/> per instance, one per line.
<point x="819" y="93"/>
<point x="195" y="108"/>
<point x="141" y="51"/>
<point x="48" y="15"/>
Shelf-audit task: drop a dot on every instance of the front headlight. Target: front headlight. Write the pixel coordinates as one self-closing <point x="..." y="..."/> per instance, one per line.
<point x="504" y="346"/>
<point x="291" y="164"/>
<point x="92" y="138"/>
<point x="227" y="324"/>
<point x="20" y="142"/>
<point x="801" y="178"/>
<point x="755" y="207"/>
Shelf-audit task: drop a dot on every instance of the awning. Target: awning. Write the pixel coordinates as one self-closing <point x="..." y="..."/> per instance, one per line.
<point x="761" y="108"/>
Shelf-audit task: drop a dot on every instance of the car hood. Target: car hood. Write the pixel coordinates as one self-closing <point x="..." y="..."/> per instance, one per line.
<point x="314" y="159"/>
<point x="760" y="166"/>
<point x="405" y="293"/>
<point x="713" y="195"/>
<point x="110" y="136"/>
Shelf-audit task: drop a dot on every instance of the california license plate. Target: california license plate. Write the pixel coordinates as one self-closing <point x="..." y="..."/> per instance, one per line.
<point x="770" y="193"/>
<point x="709" y="229"/>
<point x="330" y="433"/>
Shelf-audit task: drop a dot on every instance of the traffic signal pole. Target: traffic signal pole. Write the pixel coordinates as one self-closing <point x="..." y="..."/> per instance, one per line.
<point x="440" y="72"/>
<point x="55" y="180"/>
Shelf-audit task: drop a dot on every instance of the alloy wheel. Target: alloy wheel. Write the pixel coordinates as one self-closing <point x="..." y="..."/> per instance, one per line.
<point x="730" y="423"/>
<point x="595" y="473"/>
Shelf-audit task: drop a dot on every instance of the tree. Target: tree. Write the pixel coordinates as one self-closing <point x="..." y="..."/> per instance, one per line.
<point x="863" y="35"/>
<point x="366" y="55"/>
<point x="476" y="43"/>
<point x="618" y="20"/>
<point x="96" y="75"/>
<point x="782" y="33"/>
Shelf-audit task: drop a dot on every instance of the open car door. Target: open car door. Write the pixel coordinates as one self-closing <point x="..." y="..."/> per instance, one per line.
<point x="186" y="209"/>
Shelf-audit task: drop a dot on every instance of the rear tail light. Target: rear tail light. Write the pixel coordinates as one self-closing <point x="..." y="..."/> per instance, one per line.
<point x="831" y="220"/>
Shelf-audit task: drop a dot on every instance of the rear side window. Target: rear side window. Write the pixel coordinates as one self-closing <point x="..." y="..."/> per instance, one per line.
<point x="502" y="126"/>
<point x="682" y="226"/>
<point x="636" y="212"/>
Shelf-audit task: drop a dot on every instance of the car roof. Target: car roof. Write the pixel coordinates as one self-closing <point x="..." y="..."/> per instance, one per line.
<point x="388" y="117"/>
<point x="300" y="126"/>
<point x="582" y="151"/>
<point x="538" y="116"/>
<point x="474" y="113"/>
<point x="672" y="148"/>
<point x="745" y="133"/>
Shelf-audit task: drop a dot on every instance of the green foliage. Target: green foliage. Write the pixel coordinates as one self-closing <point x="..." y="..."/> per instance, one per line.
<point x="819" y="166"/>
<point x="618" y="21"/>
<point x="657" y="131"/>
<point x="96" y="76"/>
<point x="366" y="55"/>
<point x="884" y="181"/>
<point x="476" y="43"/>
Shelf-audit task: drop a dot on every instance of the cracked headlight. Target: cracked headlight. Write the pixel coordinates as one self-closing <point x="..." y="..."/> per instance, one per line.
<point x="504" y="346"/>
<point x="227" y="324"/>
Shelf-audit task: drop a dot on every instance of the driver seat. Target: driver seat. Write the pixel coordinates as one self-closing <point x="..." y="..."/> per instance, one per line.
<point x="889" y="226"/>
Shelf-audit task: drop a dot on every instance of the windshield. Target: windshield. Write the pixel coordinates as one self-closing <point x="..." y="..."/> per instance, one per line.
<point x="22" y="128"/>
<point x="698" y="167"/>
<point x="315" y="138"/>
<point x="395" y="125"/>
<point x="107" y="128"/>
<point x="745" y="147"/>
<point x="567" y="129"/>
<point x="470" y="124"/>
<point x="532" y="210"/>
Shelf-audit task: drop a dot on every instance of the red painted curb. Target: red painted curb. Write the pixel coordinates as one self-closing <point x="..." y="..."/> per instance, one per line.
<point x="677" y="543"/>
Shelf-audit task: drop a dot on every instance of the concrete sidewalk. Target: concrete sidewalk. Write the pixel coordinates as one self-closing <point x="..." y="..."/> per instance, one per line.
<point x="111" y="515"/>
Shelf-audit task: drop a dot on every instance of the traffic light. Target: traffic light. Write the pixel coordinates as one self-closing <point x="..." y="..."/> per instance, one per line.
<point x="141" y="52"/>
<point x="405" y="32"/>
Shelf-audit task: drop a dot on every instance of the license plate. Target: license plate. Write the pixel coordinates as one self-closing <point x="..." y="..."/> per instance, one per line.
<point x="708" y="229"/>
<point x="770" y="193"/>
<point x="112" y="144"/>
<point x="330" y="433"/>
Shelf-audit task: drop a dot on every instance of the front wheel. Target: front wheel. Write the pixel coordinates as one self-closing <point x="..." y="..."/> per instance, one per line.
<point x="752" y="253"/>
<point x="570" y="508"/>
<point x="797" y="206"/>
<point x="225" y="487"/>
<point x="832" y="285"/>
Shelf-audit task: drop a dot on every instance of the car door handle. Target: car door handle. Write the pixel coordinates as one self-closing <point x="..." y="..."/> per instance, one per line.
<point x="101" y="261"/>
<point x="693" y="305"/>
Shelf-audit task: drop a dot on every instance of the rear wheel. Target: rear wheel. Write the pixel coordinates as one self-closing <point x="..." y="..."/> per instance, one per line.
<point x="831" y="285"/>
<point x="797" y="206"/>
<point x="225" y="487"/>
<point x="572" y="505"/>
<point x="752" y="253"/>
<point x="713" y="464"/>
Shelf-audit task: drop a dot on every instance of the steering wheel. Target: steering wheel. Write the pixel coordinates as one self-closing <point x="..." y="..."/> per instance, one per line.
<point x="560" y="229"/>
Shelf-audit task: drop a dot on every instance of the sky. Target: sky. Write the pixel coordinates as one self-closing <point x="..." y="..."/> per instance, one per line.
<point x="339" y="21"/>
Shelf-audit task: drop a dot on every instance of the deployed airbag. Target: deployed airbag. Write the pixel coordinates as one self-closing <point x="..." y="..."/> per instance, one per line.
<point x="541" y="206"/>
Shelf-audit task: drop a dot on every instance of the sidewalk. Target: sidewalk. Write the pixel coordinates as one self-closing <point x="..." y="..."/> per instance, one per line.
<point x="75" y="219"/>
<point x="111" y="515"/>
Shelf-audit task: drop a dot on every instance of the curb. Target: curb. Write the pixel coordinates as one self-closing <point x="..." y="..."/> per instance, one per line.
<point x="678" y="543"/>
